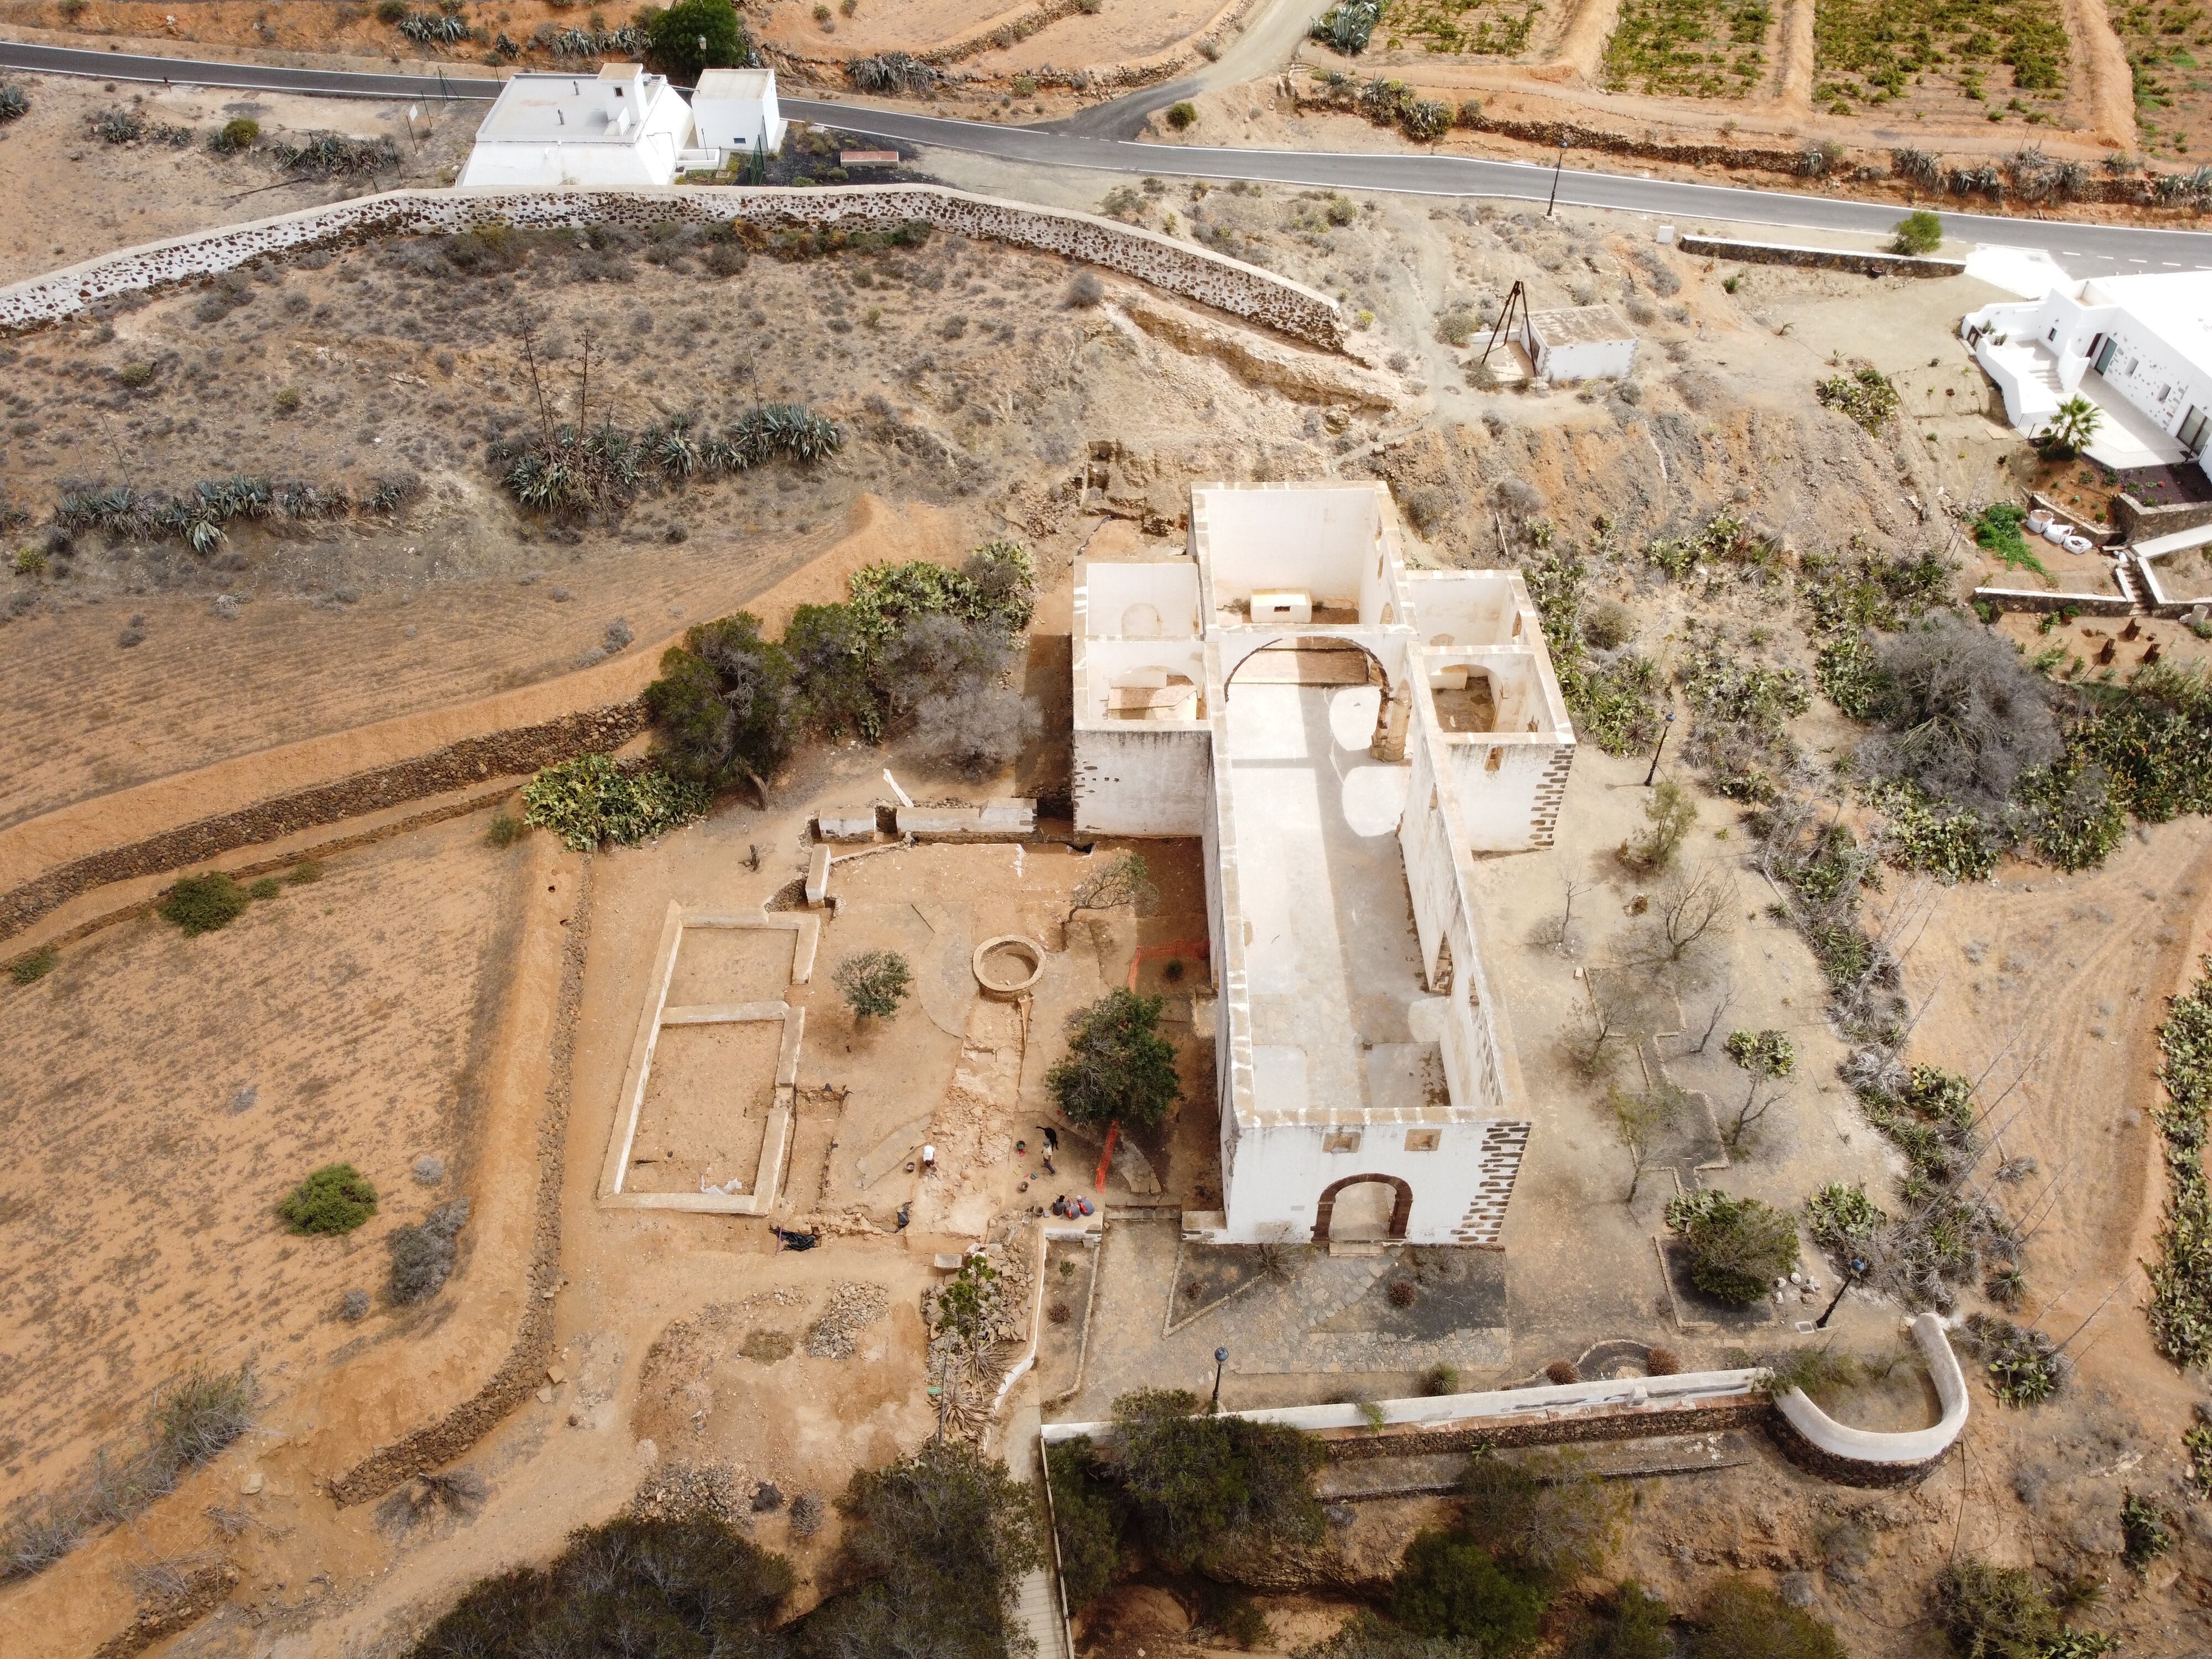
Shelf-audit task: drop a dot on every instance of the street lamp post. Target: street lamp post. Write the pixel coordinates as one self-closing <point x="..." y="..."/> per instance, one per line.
<point x="1556" y="166"/>
<point x="1659" y="750"/>
<point x="1851" y="1278"/>
<point x="1220" y="1359"/>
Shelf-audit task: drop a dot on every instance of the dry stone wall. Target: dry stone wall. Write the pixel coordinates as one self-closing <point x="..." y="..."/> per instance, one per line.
<point x="1177" y="268"/>
<point x="456" y="766"/>
<point x="1823" y="258"/>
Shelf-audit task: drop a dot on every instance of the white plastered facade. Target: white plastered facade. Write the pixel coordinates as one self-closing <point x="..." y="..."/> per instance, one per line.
<point x="735" y="111"/>
<point x="1345" y="735"/>
<point x="621" y="128"/>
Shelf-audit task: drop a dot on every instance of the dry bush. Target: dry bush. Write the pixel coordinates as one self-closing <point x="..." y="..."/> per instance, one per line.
<point x="1965" y="714"/>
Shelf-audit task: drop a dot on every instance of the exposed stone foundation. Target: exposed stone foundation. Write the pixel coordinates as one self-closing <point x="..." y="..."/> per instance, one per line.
<point x="1193" y="273"/>
<point x="1822" y="259"/>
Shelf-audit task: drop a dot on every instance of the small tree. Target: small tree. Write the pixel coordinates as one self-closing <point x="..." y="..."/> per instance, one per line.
<point x="1738" y="1246"/>
<point x="693" y="35"/>
<point x="1740" y="1619"/>
<point x="1548" y="1513"/>
<point x="1765" y="1055"/>
<point x="1118" y="1067"/>
<point x="2072" y="427"/>
<point x="724" y="704"/>
<point x="1629" y="1623"/>
<point x="874" y="983"/>
<point x="1673" y="815"/>
<point x="335" y="1199"/>
<point x="1689" y="918"/>
<point x="1639" y="1121"/>
<point x="1182" y="115"/>
<point x="1193" y="1479"/>
<point x="1125" y="879"/>
<point x="1084" y="1522"/>
<point x="1918" y="234"/>
<point x="1451" y="1587"/>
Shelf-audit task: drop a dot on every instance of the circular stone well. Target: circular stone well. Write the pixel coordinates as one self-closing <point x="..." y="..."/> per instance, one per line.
<point x="1008" y="965"/>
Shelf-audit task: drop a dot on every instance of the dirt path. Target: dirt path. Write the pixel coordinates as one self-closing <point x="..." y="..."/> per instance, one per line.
<point x="2103" y="62"/>
<point x="1582" y="46"/>
<point x="1793" y="94"/>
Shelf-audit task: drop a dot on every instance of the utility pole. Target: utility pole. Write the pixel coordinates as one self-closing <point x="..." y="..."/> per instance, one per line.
<point x="1556" y="166"/>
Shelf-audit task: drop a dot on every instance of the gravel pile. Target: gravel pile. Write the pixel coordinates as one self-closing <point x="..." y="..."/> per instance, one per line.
<point x="853" y="1308"/>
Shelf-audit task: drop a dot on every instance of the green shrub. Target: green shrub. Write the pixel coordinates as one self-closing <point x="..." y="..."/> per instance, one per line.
<point x="1181" y="115"/>
<point x="1630" y="1622"/>
<point x="676" y="36"/>
<point x="1449" y="1586"/>
<point x="591" y="801"/>
<point x="1740" y="1619"/>
<point x="335" y="1199"/>
<point x="1192" y="1480"/>
<point x="268" y="887"/>
<point x="1996" y="530"/>
<point x="423" y="1254"/>
<point x="1843" y="1220"/>
<point x="304" y="872"/>
<point x="242" y="132"/>
<point x="1865" y="395"/>
<point x="14" y="104"/>
<point x="505" y="830"/>
<point x="1672" y="814"/>
<point x="2146" y="1531"/>
<point x="29" y="968"/>
<point x="1086" y="1522"/>
<point x="1118" y="1067"/>
<point x="390" y="11"/>
<point x="937" y="1544"/>
<point x="1920" y="232"/>
<point x="1989" y="1611"/>
<point x="874" y="983"/>
<point x="688" y="1585"/>
<point x="722" y="707"/>
<point x="2180" y="1311"/>
<point x="202" y="904"/>
<point x="2023" y="1366"/>
<point x="1738" y="1246"/>
<point x="1543" y="1513"/>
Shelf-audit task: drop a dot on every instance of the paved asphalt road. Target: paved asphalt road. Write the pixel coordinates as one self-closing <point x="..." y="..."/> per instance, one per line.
<point x="2085" y="250"/>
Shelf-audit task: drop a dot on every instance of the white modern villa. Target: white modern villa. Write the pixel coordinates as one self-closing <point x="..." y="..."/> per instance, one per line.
<point x="2140" y="347"/>
<point x="621" y="128"/>
<point x="1345" y="735"/>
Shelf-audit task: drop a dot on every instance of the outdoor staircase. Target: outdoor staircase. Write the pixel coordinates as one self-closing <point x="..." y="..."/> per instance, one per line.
<point x="1036" y="1609"/>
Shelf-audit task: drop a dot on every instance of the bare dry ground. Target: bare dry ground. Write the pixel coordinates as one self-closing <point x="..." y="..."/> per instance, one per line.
<point x="162" y="1094"/>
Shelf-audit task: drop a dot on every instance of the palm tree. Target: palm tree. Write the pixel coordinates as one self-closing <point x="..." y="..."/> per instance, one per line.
<point x="2072" y="428"/>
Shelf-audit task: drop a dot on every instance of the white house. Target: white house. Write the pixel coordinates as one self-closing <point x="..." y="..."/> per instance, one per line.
<point x="735" y="111"/>
<point x="1587" y="343"/>
<point x="1344" y="735"/>
<point x="620" y="127"/>
<point x="2140" y="347"/>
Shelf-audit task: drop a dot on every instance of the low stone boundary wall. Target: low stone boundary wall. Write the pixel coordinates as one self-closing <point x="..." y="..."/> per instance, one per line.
<point x="1864" y="1457"/>
<point x="2041" y="599"/>
<point x="1177" y="268"/>
<point x="2139" y="523"/>
<point x="1822" y="259"/>
<point x="456" y="766"/>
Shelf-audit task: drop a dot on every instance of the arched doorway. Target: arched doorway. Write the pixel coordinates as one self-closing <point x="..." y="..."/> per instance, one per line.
<point x="1372" y="1207"/>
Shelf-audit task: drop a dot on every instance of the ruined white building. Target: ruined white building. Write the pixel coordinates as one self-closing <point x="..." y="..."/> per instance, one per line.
<point x="1344" y="734"/>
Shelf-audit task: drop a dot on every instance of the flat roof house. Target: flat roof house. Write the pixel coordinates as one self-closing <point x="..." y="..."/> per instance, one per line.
<point x="1344" y="735"/>
<point x="620" y="127"/>
<point x="2140" y="347"/>
<point x="735" y="111"/>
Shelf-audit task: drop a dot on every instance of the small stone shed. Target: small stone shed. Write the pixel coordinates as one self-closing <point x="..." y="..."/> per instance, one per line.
<point x="1588" y="343"/>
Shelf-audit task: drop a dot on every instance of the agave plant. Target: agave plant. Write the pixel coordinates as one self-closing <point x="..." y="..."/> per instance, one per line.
<point x="674" y="451"/>
<point x="14" y="104"/>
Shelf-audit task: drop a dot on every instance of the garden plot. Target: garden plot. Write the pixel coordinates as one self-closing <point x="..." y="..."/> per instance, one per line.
<point x="2169" y="44"/>
<point x="1691" y="48"/>
<point x="1953" y="60"/>
<point x="1472" y="28"/>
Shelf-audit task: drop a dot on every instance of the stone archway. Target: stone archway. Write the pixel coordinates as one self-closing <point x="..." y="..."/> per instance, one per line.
<point x="1401" y="1205"/>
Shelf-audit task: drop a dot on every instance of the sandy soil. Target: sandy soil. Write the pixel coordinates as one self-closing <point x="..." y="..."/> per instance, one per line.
<point x="74" y="195"/>
<point x="354" y="1023"/>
